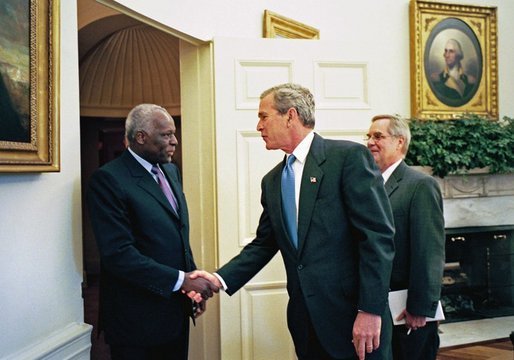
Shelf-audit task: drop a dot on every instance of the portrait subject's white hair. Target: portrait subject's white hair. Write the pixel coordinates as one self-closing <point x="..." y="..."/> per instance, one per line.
<point x="458" y="48"/>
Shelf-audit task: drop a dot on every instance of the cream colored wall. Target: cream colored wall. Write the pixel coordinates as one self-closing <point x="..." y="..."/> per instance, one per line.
<point x="381" y="27"/>
<point x="40" y="228"/>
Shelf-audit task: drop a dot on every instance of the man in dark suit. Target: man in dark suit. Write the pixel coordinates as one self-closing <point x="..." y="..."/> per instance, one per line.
<point x="419" y="240"/>
<point x="338" y="254"/>
<point x="143" y="239"/>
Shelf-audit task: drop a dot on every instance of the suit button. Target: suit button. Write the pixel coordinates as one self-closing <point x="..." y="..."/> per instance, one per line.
<point x="300" y="267"/>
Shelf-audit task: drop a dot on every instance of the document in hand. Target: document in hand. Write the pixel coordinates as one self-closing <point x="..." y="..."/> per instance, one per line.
<point x="398" y="302"/>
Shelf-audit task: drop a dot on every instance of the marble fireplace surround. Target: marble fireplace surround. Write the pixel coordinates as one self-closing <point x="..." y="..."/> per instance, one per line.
<point x="478" y="200"/>
<point x="475" y="200"/>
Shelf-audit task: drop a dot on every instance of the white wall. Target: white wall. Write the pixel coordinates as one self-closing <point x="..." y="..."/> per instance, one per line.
<point x="367" y="25"/>
<point x="40" y="230"/>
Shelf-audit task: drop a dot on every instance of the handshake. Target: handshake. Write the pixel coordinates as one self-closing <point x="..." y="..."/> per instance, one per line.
<point x="200" y="285"/>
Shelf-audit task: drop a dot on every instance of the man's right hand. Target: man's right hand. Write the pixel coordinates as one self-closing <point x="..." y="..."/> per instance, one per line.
<point x="201" y="287"/>
<point x="202" y="274"/>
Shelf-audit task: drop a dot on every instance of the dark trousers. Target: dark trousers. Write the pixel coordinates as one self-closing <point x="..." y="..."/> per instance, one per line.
<point x="420" y="344"/>
<point x="308" y="345"/>
<point x="173" y="350"/>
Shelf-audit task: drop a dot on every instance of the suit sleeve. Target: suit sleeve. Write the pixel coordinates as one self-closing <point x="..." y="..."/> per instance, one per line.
<point x="371" y="217"/>
<point x="114" y="232"/>
<point x="427" y="248"/>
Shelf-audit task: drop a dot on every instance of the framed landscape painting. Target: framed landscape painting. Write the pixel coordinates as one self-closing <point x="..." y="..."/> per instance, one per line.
<point x="29" y="85"/>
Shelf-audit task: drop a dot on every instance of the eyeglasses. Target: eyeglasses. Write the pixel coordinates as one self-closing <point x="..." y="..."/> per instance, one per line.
<point x="376" y="136"/>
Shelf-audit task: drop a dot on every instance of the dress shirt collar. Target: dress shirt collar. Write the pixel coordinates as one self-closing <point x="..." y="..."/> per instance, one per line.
<point x="301" y="151"/>
<point x="143" y="162"/>
<point x="389" y="171"/>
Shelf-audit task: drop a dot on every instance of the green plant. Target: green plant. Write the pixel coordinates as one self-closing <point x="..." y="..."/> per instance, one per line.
<point x="456" y="146"/>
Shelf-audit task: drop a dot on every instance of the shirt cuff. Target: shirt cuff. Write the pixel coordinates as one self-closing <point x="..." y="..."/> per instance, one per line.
<point x="223" y="285"/>
<point x="180" y="281"/>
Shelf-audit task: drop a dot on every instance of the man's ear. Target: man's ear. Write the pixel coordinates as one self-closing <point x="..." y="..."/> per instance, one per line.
<point x="140" y="137"/>
<point x="292" y="113"/>
<point x="401" y="141"/>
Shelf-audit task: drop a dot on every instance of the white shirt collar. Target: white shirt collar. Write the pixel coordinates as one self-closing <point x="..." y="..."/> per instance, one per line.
<point x="302" y="150"/>
<point x="148" y="166"/>
<point x="388" y="172"/>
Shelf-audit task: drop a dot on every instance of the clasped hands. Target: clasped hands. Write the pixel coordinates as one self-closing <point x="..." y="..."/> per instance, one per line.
<point x="200" y="285"/>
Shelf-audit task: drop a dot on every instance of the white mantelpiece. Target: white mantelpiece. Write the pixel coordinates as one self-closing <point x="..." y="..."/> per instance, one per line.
<point x="486" y="211"/>
<point x="477" y="199"/>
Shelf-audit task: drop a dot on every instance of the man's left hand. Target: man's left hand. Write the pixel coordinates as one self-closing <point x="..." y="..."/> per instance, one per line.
<point x="366" y="333"/>
<point x="412" y="322"/>
<point x="200" y="308"/>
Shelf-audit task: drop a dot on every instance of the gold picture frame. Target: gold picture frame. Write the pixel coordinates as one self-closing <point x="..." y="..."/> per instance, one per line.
<point x="453" y="60"/>
<point x="278" y="26"/>
<point x="29" y="79"/>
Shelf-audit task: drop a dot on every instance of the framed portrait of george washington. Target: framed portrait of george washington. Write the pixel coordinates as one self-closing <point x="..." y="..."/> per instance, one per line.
<point x="453" y="60"/>
<point x="29" y="86"/>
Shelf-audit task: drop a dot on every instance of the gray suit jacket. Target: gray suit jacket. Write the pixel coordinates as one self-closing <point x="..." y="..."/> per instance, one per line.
<point x="345" y="234"/>
<point x="419" y="240"/>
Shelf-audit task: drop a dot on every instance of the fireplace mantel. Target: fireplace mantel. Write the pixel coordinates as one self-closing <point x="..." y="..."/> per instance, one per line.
<point x="477" y="199"/>
<point x="472" y="203"/>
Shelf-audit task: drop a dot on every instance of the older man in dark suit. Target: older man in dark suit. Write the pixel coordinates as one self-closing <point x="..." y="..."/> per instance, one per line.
<point x="140" y="220"/>
<point x="326" y="211"/>
<point x="419" y="240"/>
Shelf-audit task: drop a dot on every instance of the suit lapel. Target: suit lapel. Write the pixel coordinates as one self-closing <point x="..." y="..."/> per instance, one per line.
<point x="146" y="181"/>
<point x="393" y="182"/>
<point x="311" y="181"/>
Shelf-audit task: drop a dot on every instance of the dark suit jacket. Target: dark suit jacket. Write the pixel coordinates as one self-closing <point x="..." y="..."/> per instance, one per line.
<point x="419" y="240"/>
<point x="345" y="235"/>
<point x="143" y="244"/>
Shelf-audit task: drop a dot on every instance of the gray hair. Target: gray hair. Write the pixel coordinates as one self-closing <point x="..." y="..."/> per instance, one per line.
<point x="286" y="96"/>
<point x="139" y="119"/>
<point x="458" y="48"/>
<point x="398" y="127"/>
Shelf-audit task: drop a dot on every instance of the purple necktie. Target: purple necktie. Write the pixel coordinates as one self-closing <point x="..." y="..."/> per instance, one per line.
<point x="165" y="187"/>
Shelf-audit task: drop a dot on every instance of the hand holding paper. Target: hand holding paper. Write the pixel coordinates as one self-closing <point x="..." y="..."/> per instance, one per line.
<point x="398" y="304"/>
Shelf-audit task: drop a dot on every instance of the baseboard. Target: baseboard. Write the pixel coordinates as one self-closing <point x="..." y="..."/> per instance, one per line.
<point x="70" y="343"/>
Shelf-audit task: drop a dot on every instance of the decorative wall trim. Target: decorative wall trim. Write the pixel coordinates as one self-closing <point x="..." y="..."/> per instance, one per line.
<point x="70" y="343"/>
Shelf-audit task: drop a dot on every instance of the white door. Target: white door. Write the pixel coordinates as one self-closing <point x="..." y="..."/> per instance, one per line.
<point x="253" y="321"/>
